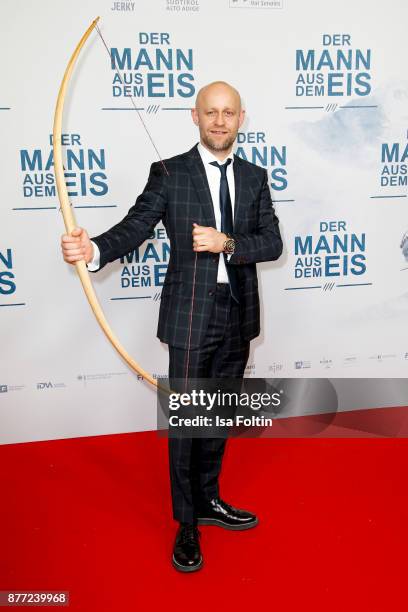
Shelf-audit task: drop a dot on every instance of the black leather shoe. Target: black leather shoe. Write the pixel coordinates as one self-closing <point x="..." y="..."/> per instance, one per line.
<point x="187" y="555"/>
<point x="218" y="512"/>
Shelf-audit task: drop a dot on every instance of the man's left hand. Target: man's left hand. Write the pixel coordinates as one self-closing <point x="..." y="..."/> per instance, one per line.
<point x="208" y="239"/>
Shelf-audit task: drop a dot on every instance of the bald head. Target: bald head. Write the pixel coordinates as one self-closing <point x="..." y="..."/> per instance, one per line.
<point x="218" y="89"/>
<point x="218" y="114"/>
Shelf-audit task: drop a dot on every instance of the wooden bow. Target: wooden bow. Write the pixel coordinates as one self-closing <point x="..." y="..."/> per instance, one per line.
<point x="68" y="213"/>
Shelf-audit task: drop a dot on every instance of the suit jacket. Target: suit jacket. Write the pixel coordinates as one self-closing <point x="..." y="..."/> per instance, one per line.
<point x="179" y="199"/>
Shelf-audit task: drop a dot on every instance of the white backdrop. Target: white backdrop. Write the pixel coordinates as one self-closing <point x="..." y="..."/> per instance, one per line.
<point x="326" y="95"/>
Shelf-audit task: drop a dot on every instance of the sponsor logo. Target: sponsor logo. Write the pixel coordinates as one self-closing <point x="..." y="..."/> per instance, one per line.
<point x="123" y="6"/>
<point x="275" y="367"/>
<point x="183" y="6"/>
<point x="50" y="385"/>
<point x="326" y="363"/>
<point x="382" y="357"/>
<point x="11" y="388"/>
<point x="256" y="4"/>
<point x="100" y="376"/>
<point x="350" y="360"/>
<point x="250" y="369"/>
<point x="303" y="365"/>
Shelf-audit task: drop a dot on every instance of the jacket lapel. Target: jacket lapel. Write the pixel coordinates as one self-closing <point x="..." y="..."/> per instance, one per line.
<point x="200" y="182"/>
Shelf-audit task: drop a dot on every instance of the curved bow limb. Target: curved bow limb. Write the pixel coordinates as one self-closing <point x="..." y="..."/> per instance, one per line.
<point x="69" y="218"/>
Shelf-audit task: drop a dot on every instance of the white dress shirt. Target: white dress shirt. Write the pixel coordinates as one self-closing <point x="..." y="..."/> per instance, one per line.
<point x="214" y="177"/>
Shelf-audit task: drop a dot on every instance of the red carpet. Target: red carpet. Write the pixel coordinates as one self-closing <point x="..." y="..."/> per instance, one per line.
<point x="92" y="516"/>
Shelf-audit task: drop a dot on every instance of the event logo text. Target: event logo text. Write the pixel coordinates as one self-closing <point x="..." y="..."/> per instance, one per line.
<point x="333" y="252"/>
<point x="85" y="170"/>
<point x="332" y="71"/>
<point x="154" y="69"/>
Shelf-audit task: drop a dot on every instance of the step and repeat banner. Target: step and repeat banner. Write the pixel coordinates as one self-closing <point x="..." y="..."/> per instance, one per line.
<point x="326" y="93"/>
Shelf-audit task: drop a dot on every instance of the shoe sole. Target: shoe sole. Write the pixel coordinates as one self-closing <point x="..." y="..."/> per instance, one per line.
<point x="218" y="523"/>
<point x="186" y="568"/>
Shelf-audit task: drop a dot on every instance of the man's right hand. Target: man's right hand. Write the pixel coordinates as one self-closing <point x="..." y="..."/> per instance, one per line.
<point x="77" y="246"/>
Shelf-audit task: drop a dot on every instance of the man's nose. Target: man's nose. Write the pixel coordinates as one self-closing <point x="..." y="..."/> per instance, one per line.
<point x="219" y="119"/>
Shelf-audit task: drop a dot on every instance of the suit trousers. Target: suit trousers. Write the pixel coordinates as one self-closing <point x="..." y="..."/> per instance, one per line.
<point x="195" y="463"/>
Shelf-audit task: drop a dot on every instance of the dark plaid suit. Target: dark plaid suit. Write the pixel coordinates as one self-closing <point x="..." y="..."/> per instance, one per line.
<point x="179" y="199"/>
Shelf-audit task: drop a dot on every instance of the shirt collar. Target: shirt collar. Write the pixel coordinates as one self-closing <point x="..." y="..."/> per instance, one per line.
<point x="208" y="157"/>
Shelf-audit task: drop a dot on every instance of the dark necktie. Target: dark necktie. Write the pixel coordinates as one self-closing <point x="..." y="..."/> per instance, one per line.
<point x="227" y="224"/>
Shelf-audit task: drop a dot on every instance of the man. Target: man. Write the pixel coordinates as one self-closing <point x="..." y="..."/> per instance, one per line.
<point x="218" y="214"/>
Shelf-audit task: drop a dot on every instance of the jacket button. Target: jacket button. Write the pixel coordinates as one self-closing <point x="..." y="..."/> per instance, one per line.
<point x="211" y="292"/>
<point x="215" y="259"/>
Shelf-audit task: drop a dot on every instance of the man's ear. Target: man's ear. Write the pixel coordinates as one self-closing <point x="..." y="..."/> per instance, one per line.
<point x="241" y="117"/>
<point x="194" y="115"/>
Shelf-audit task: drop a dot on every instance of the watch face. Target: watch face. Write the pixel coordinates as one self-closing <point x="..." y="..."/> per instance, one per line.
<point x="229" y="245"/>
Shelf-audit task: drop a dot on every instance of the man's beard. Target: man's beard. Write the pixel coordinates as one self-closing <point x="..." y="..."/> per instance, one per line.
<point x="219" y="146"/>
